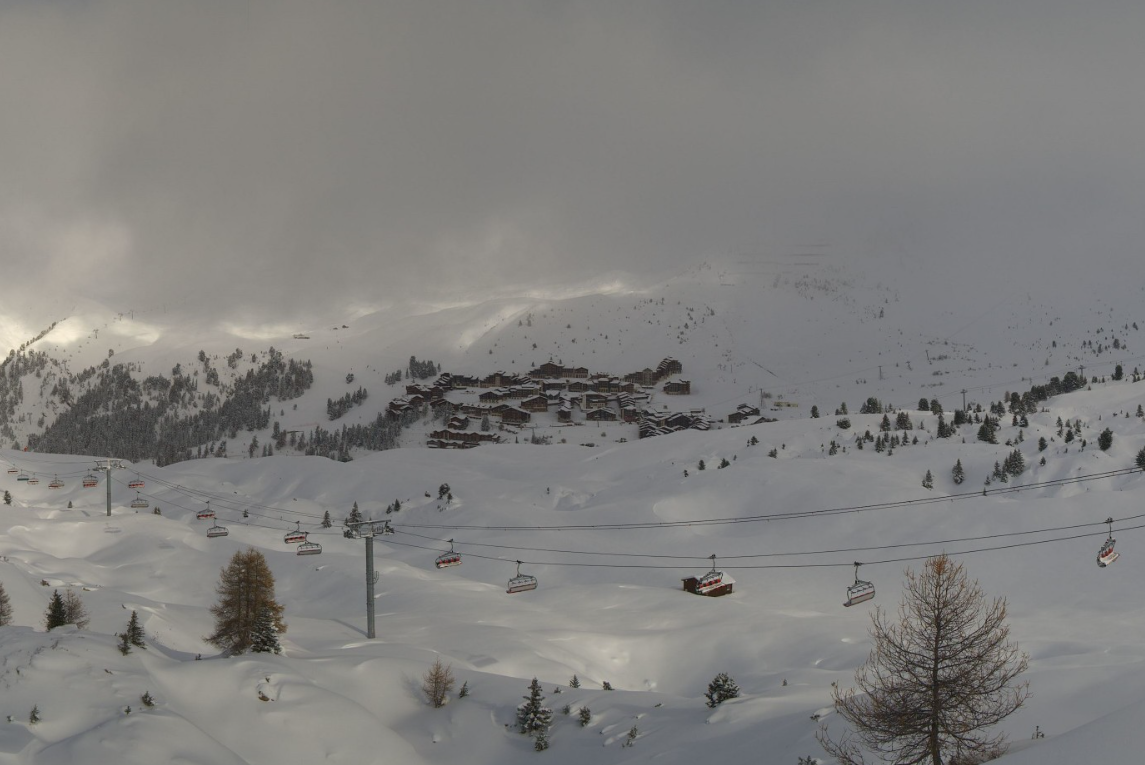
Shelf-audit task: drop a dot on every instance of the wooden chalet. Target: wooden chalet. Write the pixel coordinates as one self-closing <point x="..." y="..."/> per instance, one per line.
<point x="548" y="371"/>
<point x="511" y="415"/>
<point x="645" y="376"/>
<point x="576" y="373"/>
<point x="492" y="396"/>
<point x="459" y="423"/>
<point x="496" y="380"/>
<point x="678" y="387"/>
<point x="466" y="437"/>
<point x="564" y="414"/>
<point x="595" y="400"/>
<point x="601" y="415"/>
<point x="742" y="412"/>
<point x="438" y="443"/>
<point x="535" y="404"/>
<point x="464" y="381"/>
<point x="579" y="387"/>
<point x="669" y="366"/>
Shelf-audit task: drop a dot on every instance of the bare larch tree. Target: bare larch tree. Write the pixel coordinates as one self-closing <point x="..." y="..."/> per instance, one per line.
<point x="938" y="679"/>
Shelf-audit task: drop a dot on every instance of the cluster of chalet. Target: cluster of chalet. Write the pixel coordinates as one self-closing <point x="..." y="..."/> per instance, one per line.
<point x="662" y="423"/>
<point x="513" y="399"/>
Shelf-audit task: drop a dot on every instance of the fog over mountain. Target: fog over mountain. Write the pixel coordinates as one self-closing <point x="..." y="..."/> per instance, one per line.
<point x="289" y="157"/>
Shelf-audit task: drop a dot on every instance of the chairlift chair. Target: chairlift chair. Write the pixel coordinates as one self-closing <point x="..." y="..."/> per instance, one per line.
<point x="33" y="480"/>
<point x="217" y="531"/>
<point x="309" y="548"/>
<point x="23" y="477"/>
<point x="206" y="513"/>
<point x="710" y="580"/>
<point x="139" y="502"/>
<point x="90" y="481"/>
<point x="296" y="536"/>
<point x="135" y="483"/>
<point x="451" y="558"/>
<point x="12" y="471"/>
<point x="860" y="591"/>
<point x="1106" y="555"/>
<point x="521" y="582"/>
<point x="56" y="483"/>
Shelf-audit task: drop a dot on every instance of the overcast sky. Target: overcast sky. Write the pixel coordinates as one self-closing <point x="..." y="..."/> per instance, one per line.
<point x="296" y="154"/>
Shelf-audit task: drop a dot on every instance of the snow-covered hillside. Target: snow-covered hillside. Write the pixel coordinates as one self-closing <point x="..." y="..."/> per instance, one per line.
<point x="608" y="530"/>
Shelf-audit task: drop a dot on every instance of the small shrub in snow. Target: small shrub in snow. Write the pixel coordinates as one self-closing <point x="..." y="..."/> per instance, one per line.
<point x="585" y="716"/>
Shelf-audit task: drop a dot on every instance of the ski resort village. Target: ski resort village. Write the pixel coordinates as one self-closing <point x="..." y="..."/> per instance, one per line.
<point x="440" y="382"/>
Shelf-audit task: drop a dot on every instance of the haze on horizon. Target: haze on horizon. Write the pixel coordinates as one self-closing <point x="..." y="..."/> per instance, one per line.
<point x="276" y="158"/>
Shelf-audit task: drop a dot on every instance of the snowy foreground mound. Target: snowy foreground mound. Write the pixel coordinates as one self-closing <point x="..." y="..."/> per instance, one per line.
<point x="609" y="606"/>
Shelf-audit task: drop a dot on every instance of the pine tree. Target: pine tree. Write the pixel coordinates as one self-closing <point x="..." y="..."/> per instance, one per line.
<point x="575" y="682"/>
<point x="264" y="635"/>
<point x="938" y="679"/>
<point x="1105" y="440"/>
<point x="245" y="589"/>
<point x="814" y="412"/>
<point x="124" y="644"/>
<point x="55" y="616"/>
<point x="34" y="715"/>
<point x="134" y="632"/>
<point x="957" y="473"/>
<point x="720" y="690"/>
<point x="532" y="714"/>
<point x="928" y="481"/>
<point x="1042" y="445"/>
<point x="355" y="516"/>
<point x="541" y="739"/>
<point x="464" y="690"/>
<point x="1140" y="461"/>
<point x="5" y="607"/>
<point x="7" y="497"/>
<point x="585" y="716"/>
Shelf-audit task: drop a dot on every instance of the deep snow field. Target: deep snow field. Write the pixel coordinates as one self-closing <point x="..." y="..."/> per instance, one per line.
<point x="338" y="697"/>
<point x="609" y="605"/>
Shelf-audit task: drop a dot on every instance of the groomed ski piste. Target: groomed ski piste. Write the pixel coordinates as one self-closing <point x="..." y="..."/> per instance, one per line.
<point x="609" y="533"/>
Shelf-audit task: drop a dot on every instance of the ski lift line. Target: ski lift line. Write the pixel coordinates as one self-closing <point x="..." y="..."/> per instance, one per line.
<point x="227" y="500"/>
<point x="846" y="509"/>
<point x="766" y="566"/>
<point x="803" y="553"/>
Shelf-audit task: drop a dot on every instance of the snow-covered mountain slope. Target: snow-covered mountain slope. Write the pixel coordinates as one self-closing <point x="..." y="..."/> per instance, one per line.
<point x="634" y="519"/>
<point x="802" y="330"/>
<point x="608" y="606"/>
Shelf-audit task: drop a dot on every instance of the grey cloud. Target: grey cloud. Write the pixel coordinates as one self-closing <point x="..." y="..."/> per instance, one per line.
<point x="290" y="155"/>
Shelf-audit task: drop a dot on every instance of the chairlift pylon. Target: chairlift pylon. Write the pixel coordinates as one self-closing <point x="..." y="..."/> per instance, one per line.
<point x="521" y="582"/>
<point x="1106" y="555"/>
<point x="451" y="558"/>
<point x="860" y="591"/>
